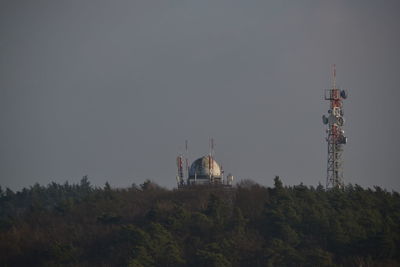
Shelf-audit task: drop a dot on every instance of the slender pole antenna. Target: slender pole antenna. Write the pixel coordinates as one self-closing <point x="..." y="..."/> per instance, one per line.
<point x="186" y="158"/>
<point x="334" y="76"/>
<point x="209" y="147"/>
<point x="210" y="158"/>
<point x="212" y="147"/>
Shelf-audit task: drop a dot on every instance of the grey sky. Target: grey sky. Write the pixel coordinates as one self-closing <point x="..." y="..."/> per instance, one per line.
<point x="112" y="89"/>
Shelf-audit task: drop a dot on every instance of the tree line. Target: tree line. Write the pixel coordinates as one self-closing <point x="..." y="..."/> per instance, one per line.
<point x="245" y="225"/>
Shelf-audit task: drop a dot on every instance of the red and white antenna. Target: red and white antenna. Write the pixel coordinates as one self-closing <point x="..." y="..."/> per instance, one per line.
<point x="334" y="75"/>
<point x="336" y="138"/>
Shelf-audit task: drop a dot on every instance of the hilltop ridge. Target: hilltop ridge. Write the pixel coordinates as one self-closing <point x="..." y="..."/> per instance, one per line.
<point x="247" y="225"/>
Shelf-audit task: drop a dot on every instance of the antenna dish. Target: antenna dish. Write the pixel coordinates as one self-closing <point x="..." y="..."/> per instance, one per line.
<point x="340" y="121"/>
<point x="343" y="94"/>
<point x="325" y="119"/>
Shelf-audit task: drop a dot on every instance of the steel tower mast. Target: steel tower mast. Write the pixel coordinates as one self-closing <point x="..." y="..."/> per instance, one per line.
<point x="335" y="134"/>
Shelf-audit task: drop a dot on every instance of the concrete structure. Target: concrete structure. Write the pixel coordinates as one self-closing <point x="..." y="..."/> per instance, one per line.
<point x="203" y="171"/>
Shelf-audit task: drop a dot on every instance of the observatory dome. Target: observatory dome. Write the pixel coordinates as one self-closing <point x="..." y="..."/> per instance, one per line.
<point x="201" y="168"/>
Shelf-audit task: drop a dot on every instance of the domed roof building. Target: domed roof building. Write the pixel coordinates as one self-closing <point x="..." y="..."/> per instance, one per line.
<point x="203" y="171"/>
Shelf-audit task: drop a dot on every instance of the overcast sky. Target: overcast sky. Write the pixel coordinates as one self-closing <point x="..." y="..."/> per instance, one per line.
<point x="111" y="89"/>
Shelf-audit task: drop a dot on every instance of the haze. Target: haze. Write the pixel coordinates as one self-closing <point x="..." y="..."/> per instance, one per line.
<point x="111" y="89"/>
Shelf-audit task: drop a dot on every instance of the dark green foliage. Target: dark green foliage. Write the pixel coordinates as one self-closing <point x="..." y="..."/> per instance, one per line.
<point x="248" y="225"/>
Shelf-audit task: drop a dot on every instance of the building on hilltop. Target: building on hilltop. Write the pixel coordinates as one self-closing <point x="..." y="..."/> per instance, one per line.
<point x="203" y="171"/>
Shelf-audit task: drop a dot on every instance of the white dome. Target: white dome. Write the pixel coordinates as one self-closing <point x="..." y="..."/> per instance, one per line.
<point x="201" y="168"/>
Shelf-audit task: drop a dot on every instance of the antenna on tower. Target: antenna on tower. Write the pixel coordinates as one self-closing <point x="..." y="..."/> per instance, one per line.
<point x="212" y="147"/>
<point x="210" y="159"/>
<point x="334" y="75"/>
<point x="186" y="159"/>
<point x="335" y="138"/>
<point x="179" y="177"/>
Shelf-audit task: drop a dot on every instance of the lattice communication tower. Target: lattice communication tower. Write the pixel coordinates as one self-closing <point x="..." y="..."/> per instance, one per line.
<point x="335" y="134"/>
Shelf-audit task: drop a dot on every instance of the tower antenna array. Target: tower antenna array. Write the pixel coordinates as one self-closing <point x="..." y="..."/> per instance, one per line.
<point x="335" y="134"/>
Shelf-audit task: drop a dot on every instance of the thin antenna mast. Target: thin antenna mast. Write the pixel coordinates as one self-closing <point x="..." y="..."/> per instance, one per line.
<point x="210" y="159"/>
<point x="186" y="159"/>
<point x="334" y="75"/>
<point x="212" y="147"/>
<point x="212" y="154"/>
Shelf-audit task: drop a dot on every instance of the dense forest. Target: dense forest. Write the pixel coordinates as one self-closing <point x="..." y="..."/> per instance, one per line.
<point x="246" y="225"/>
